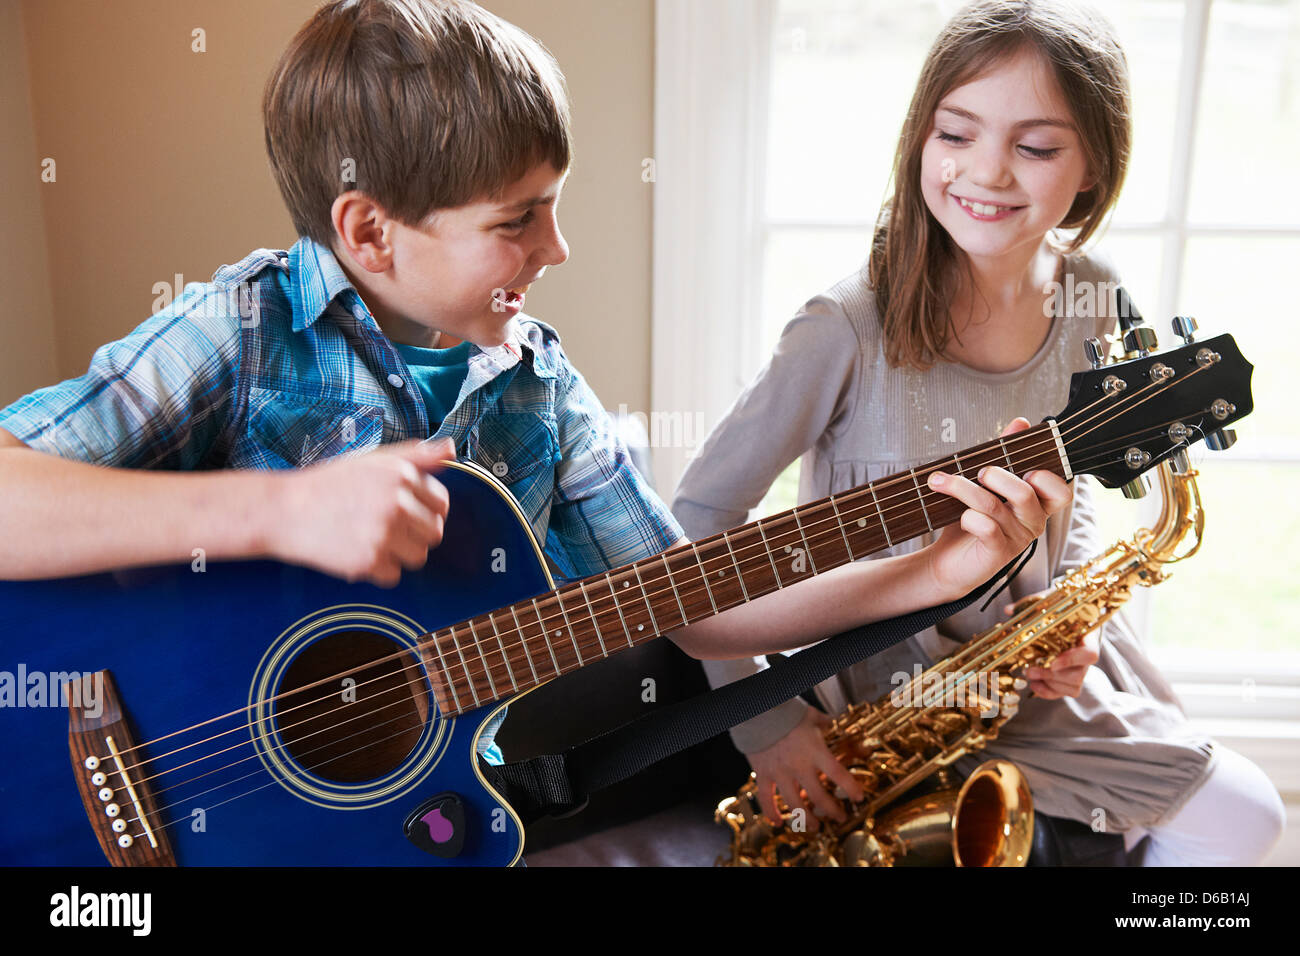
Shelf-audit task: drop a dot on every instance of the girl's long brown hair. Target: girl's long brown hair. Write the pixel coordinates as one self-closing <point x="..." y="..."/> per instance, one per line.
<point x="913" y="263"/>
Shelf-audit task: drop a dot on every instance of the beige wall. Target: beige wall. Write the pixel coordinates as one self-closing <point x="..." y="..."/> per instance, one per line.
<point x="161" y="169"/>
<point x="27" y="358"/>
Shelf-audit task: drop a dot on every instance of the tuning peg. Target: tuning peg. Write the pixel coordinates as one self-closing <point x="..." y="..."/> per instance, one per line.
<point x="1093" y="351"/>
<point x="1179" y="463"/>
<point x="1185" y="328"/>
<point x="1222" y="439"/>
<point x="1137" y="488"/>
<point x="1129" y="316"/>
<point x="1140" y="339"/>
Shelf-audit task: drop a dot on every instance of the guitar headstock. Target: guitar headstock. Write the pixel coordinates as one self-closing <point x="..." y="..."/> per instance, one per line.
<point x="1126" y="417"/>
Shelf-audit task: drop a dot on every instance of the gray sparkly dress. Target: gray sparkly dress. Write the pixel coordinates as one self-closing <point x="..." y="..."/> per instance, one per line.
<point x="1124" y="745"/>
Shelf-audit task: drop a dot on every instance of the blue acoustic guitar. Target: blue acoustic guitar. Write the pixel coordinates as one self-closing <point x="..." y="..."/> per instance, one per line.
<point x="260" y="713"/>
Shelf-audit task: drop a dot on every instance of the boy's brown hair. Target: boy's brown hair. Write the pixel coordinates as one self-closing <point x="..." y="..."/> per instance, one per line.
<point x="913" y="262"/>
<point x="420" y="104"/>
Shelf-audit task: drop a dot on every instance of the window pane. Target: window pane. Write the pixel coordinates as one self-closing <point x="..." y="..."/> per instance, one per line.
<point x="1248" y="130"/>
<point x="1239" y="286"/>
<point x="1238" y="591"/>
<point x="842" y="76"/>
<point x="1151" y="34"/>
<point x="1137" y="257"/>
<point x="799" y="264"/>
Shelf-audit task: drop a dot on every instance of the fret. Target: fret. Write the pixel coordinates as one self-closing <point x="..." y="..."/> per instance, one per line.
<point x="573" y="638"/>
<point x="464" y="667"/>
<point x="626" y="630"/>
<point x="768" y="548"/>
<point x="957" y="461"/>
<point x="740" y="575"/>
<point x="921" y="497"/>
<point x="645" y="596"/>
<point x="487" y="668"/>
<point x="880" y="514"/>
<point x="1010" y="467"/>
<point x="802" y="537"/>
<point x="595" y="622"/>
<point x="523" y="642"/>
<point x="704" y="576"/>
<point x="451" y="685"/>
<point x="839" y="523"/>
<point x="510" y="671"/>
<point x="546" y="640"/>
<point x="672" y="584"/>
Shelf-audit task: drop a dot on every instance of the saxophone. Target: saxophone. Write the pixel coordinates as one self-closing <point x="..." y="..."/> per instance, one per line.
<point x="910" y="736"/>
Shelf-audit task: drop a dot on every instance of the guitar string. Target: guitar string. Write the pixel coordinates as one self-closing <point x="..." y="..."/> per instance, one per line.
<point x="398" y="688"/>
<point x="1102" y="454"/>
<point x="259" y="769"/>
<point x="696" y="592"/>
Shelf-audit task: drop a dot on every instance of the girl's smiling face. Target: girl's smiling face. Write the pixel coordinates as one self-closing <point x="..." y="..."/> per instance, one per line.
<point x="1002" y="162"/>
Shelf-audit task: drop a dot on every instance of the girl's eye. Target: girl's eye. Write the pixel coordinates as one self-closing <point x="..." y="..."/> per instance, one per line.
<point x="950" y="137"/>
<point x="1041" y="153"/>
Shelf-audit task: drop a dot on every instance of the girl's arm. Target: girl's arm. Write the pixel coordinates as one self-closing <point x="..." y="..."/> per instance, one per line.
<point x="806" y="385"/>
<point x="1004" y="514"/>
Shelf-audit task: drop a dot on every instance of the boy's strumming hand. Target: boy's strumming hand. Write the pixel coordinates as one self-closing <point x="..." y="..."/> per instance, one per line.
<point x="992" y="531"/>
<point x="364" y="518"/>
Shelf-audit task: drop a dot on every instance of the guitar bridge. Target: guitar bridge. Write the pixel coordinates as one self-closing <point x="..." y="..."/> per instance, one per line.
<point x="111" y="774"/>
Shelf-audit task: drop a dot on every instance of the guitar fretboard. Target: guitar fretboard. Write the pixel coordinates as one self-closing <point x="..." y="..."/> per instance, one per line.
<point x="510" y="650"/>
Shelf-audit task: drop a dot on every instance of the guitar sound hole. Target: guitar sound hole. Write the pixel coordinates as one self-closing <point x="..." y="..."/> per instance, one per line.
<point x="364" y="718"/>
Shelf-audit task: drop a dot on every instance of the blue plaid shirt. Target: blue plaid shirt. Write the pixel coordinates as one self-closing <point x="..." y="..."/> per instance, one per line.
<point x="277" y="363"/>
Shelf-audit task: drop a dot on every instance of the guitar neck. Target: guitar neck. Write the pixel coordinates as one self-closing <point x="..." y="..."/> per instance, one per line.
<point x="512" y="649"/>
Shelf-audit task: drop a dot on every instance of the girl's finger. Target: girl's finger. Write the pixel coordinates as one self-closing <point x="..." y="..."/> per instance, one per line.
<point x="1022" y="504"/>
<point x="965" y="491"/>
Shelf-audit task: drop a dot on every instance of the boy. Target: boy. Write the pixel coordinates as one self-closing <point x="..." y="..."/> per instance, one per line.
<point x="421" y="147"/>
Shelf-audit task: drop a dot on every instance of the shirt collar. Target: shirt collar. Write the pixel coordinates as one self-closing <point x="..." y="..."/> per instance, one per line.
<point x="487" y="363"/>
<point x="317" y="280"/>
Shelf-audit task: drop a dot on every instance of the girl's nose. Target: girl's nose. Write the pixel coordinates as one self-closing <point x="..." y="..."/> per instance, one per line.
<point x="989" y="168"/>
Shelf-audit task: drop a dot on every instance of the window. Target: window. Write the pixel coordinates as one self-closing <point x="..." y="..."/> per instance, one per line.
<point x="1208" y="225"/>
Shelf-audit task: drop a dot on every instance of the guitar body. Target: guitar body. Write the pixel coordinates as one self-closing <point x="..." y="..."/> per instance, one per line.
<point x="271" y="782"/>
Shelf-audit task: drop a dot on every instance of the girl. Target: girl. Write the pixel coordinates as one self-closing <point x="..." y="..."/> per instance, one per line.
<point x="1019" y="127"/>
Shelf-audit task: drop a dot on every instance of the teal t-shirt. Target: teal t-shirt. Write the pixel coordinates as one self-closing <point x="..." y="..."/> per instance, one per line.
<point x="439" y="374"/>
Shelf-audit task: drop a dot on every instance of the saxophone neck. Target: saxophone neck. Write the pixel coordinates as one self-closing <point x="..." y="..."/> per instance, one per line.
<point x="1180" y="514"/>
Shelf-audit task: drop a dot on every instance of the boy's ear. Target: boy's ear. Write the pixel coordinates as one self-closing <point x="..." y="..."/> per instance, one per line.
<point x="362" y="229"/>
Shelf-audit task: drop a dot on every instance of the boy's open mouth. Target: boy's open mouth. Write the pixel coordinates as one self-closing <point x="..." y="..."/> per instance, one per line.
<point x="512" y="298"/>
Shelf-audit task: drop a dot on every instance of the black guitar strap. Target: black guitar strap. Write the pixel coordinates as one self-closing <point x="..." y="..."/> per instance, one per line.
<point x="559" y="784"/>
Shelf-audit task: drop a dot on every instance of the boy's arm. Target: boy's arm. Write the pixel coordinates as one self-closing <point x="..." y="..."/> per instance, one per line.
<point x="358" y="518"/>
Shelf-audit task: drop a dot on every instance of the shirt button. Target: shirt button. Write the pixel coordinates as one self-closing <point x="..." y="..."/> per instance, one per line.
<point x="395" y="380"/>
